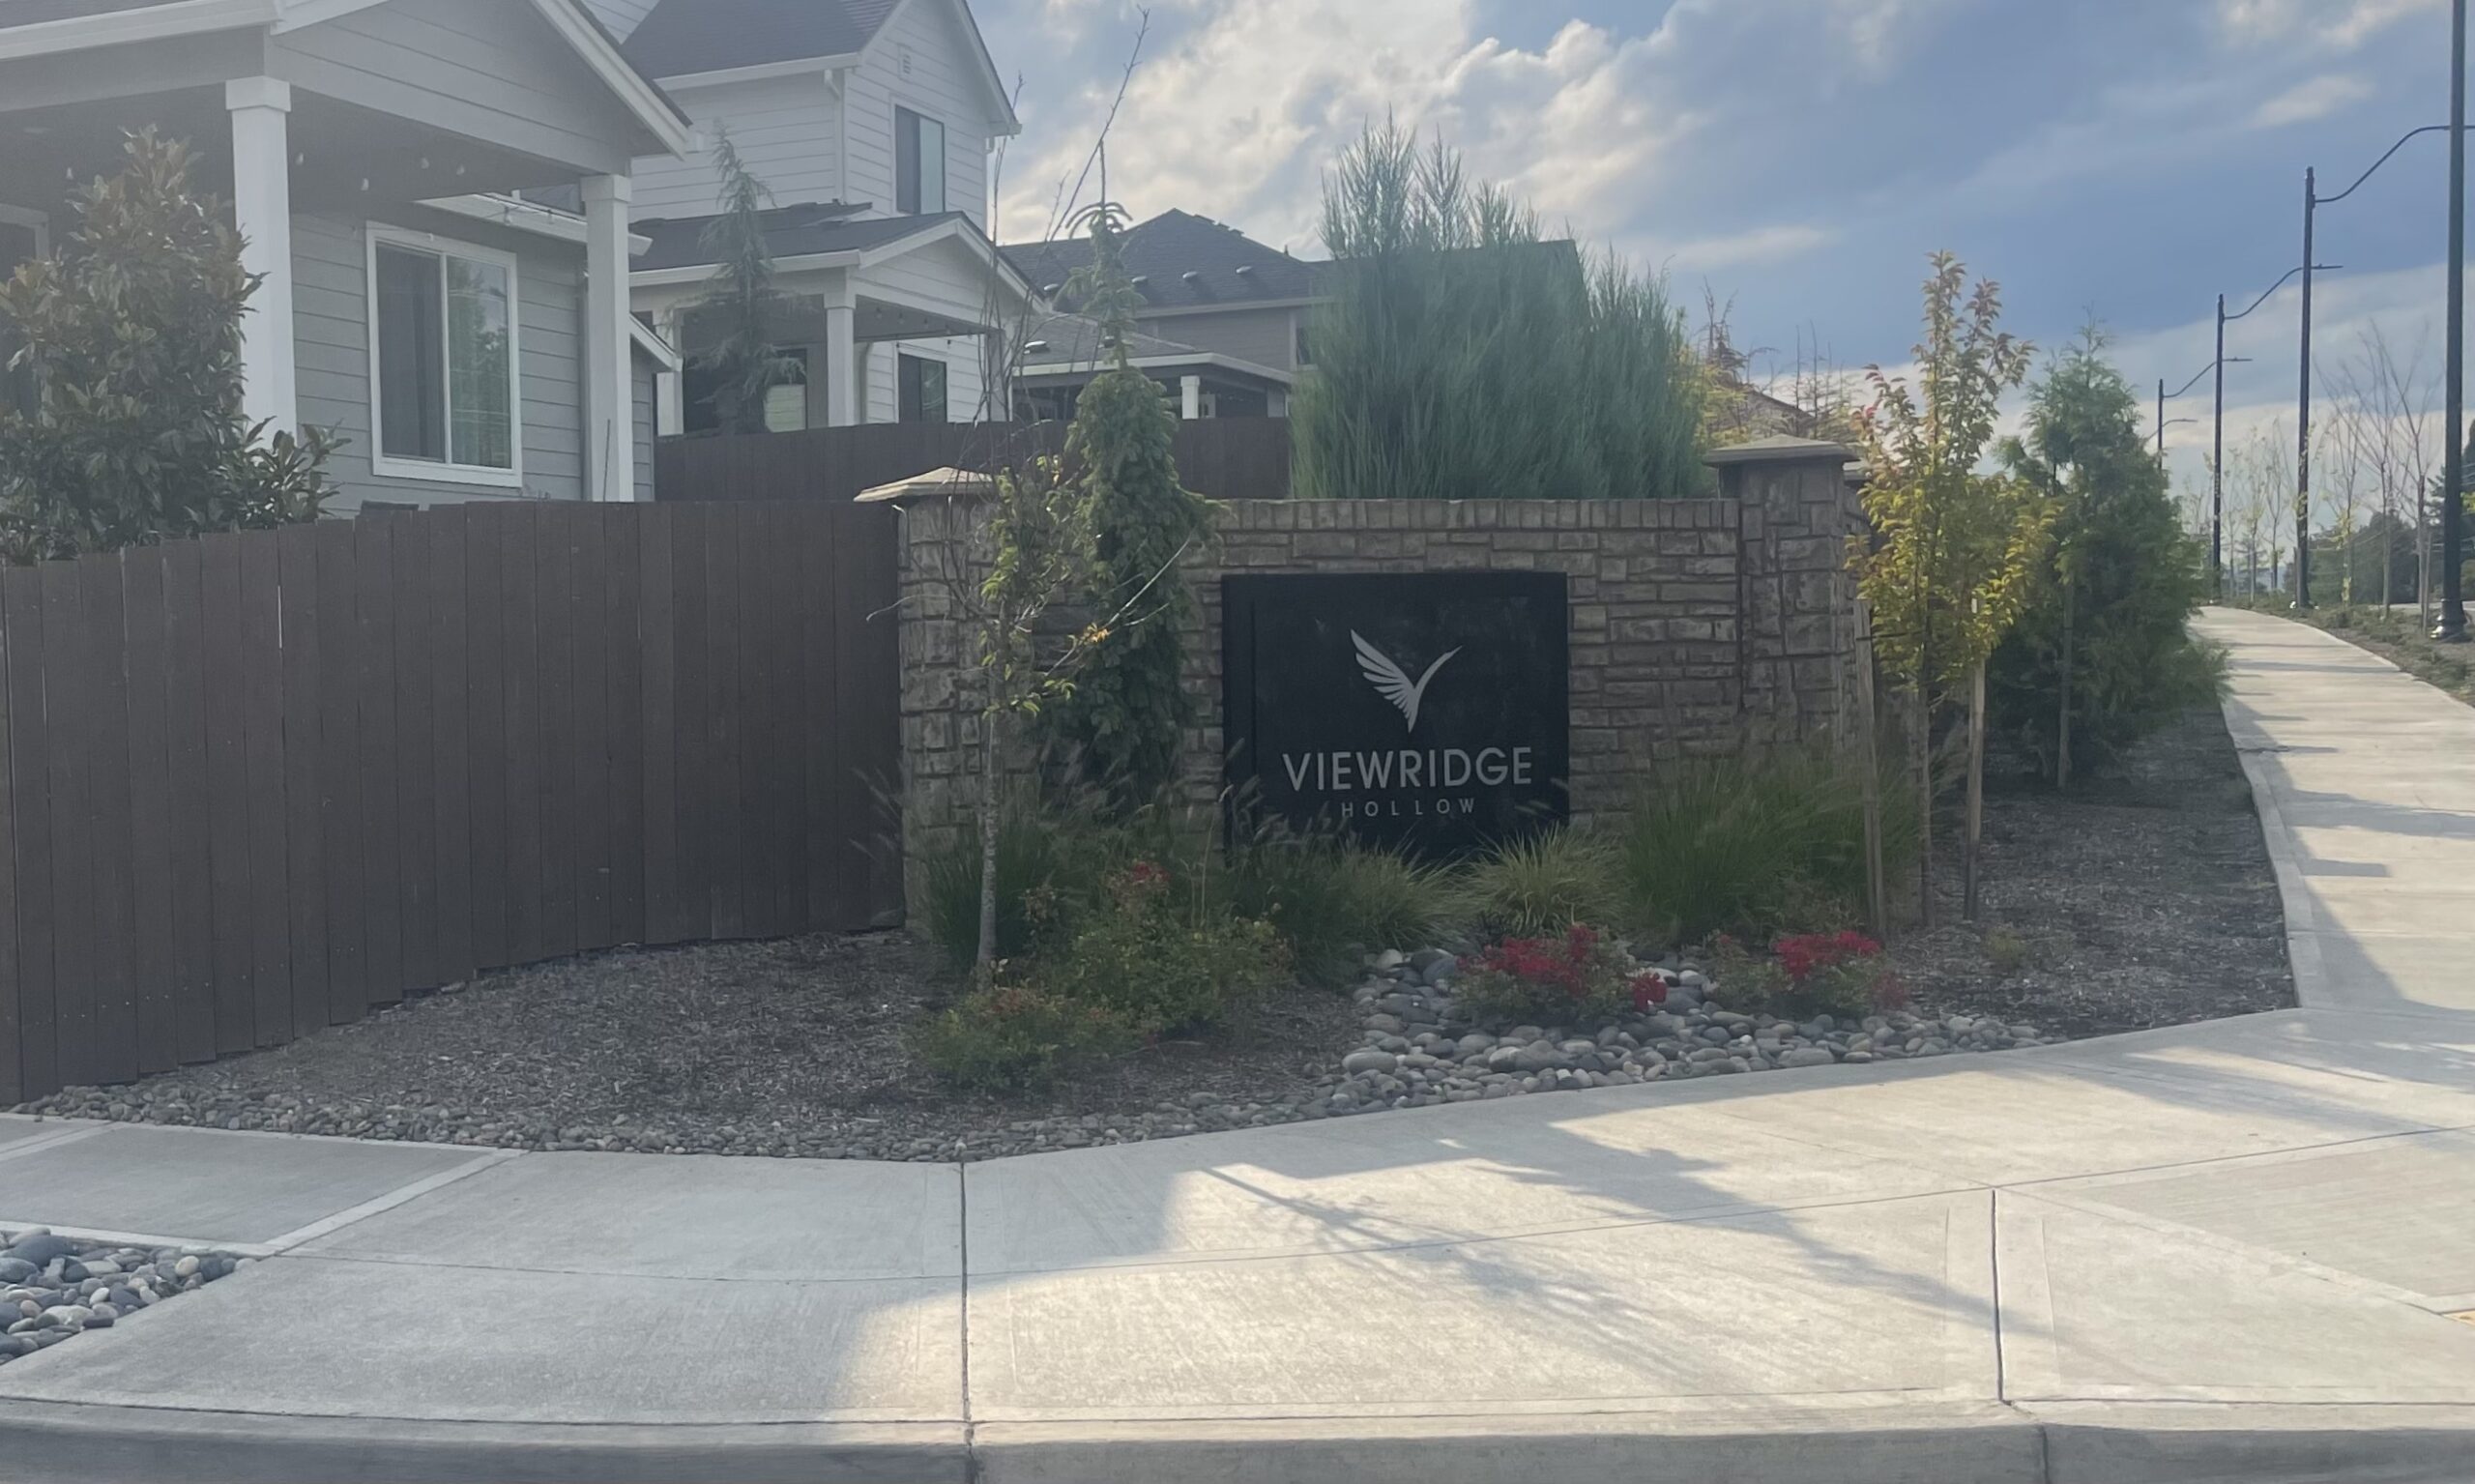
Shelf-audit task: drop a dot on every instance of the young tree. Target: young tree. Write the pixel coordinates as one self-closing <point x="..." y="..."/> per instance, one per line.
<point x="132" y="333"/>
<point x="741" y="308"/>
<point x="1954" y="547"/>
<point x="1129" y="716"/>
<point x="2102" y="652"/>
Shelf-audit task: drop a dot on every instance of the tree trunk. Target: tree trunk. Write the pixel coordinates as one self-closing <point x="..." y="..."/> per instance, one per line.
<point x="991" y="792"/>
<point x="1976" y="793"/>
<point x="1925" y="801"/>
<point x="2062" y="730"/>
<point x="1868" y="758"/>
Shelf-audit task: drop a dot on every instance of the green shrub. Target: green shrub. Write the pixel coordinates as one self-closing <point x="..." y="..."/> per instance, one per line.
<point x="1163" y="956"/>
<point x="1032" y="859"/>
<point x="1845" y="975"/>
<point x="1580" y="977"/>
<point x="1539" y="887"/>
<point x="1012" y="1039"/>
<point x="2005" y="950"/>
<point x="1332" y="902"/>
<point x="1757" y="845"/>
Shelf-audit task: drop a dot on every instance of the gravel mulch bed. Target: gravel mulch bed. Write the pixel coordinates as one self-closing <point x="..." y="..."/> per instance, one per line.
<point x="791" y="1048"/>
<point x="53" y="1289"/>
<point x="2144" y="899"/>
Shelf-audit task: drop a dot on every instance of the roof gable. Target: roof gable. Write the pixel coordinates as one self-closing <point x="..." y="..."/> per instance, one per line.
<point x="1183" y="262"/>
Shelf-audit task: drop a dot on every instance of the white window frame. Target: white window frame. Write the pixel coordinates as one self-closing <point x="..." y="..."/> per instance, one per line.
<point x="386" y="466"/>
<point x="945" y="162"/>
<point x="25" y="217"/>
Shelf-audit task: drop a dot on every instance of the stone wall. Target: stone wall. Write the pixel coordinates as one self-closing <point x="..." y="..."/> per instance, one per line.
<point x="1698" y="627"/>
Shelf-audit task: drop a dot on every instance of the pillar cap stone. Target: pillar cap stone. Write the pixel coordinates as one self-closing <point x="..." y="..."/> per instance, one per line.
<point x="1781" y="449"/>
<point x="946" y="483"/>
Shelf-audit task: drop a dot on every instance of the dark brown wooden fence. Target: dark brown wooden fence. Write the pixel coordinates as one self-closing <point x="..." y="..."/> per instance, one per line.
<point x="256" y="784"/>
<point x="1227" y="458"/>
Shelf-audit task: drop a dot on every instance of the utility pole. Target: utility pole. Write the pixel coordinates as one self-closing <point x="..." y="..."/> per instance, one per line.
<point x="2161" y="422"/>
<point x="2453" y="603"/>
<point x="2216" y="469"/>
<point x="2303" y="418"/>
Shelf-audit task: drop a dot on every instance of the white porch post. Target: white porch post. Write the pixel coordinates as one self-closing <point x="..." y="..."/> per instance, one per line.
<point x="841" y="367"/>
<point x="262" y="211"/>
<point x="1192" y="387"/>
<point x="609" y="375"/>
<point x="670" y="390"/>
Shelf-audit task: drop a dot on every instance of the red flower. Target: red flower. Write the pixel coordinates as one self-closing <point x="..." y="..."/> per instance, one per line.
<point x="1649" y="990"/>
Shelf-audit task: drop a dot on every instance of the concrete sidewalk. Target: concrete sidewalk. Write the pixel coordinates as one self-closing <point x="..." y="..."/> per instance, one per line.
<point x="2217" y="1252"/>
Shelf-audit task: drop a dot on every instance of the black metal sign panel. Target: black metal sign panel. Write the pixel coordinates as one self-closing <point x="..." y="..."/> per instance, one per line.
<point x="1427" y="710"/>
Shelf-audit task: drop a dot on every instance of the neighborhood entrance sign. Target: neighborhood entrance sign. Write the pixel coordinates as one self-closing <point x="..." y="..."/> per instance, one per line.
<point x="1424" y="711"/>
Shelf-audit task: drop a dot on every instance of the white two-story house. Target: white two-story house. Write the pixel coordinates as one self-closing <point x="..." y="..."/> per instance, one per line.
<point x="872" y="122"/>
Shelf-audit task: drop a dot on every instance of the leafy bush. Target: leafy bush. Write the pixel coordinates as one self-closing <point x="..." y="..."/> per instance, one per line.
<point x="1540" y="886"/>
<point x="132" y="333"/>
<point x="1333" y="902"/>
<point x="1580" y="977"/>
<point x="1162" y="956"/>
<point x="1012" y="1038"/>
<point x="1033" y="862"/>
<point x="1755" y="845"/>
<point x="1845" y="975"/>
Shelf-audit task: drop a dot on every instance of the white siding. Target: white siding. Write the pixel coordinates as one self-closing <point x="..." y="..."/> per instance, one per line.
<point x="646" y="413"/>
<point x="485" y="70"/>
<point x="943" y="85"/>
<point x="963" y="378"/>
<point x="622" y="16"/>
<point x="330" y="335"/>
<point x="784" y="129"/>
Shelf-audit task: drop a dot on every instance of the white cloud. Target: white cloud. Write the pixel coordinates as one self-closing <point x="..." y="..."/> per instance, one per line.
<point x="2346" y="24"/>
<point x="2317" y="99"/>
<point x="1761" y="245"/>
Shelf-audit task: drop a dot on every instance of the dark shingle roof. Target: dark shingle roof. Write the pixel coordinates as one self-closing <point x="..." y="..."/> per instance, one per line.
<point x="683" y="37"/>
<point x="1164" y="250"/>
<point x="790" y="231"/>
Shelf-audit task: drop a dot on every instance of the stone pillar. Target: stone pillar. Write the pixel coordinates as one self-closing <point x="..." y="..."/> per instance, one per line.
<point x="1795" y="511"/>
<point x="262" y="210"/>
<point x="609" y="343"/>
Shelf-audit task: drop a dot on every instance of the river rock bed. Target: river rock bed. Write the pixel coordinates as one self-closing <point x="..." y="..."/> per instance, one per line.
<point x="1421" y="1049"/>
<point x="54" y="1288"/>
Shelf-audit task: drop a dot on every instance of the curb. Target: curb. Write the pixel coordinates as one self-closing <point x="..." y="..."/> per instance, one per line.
<point x="76" y="1444"/>
<point x="1949" y="1443"/>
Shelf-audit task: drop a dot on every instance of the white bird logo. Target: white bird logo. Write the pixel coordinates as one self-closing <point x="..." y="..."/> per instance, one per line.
<point x="1392" y="681"/>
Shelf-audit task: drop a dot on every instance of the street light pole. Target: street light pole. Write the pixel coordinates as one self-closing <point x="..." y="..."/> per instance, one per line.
<point x="2216" y="469"/>
<point x="2453" y="603"/>
<point x="2303" y="418"/>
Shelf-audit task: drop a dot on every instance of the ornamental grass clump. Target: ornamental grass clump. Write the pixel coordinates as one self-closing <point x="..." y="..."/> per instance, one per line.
<point x="1334" y="902"/>
<point x="1541" y="885"/>
<point x="1580" y="977"/>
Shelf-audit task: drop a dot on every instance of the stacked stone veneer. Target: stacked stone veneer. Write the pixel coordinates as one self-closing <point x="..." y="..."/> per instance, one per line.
<point x="1698" y="627"/>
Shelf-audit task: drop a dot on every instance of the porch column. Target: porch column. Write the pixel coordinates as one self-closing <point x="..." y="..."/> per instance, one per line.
<point x="670" y="390"/>
<point x="262" y="212"/>
<point x="841" y="367"/>
<point x="1192" y="387"/>
<point x="609" y="349"/>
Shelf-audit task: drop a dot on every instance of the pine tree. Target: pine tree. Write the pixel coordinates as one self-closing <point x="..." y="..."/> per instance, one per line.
<point x="741" y="303"/>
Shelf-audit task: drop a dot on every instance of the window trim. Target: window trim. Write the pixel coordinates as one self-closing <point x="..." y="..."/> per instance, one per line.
<point x="40" y="222"/>
<point x="944" y="163"/>
<point x="385" y="465"/>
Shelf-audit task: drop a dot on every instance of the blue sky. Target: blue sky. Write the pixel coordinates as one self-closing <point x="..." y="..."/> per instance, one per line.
<point x="2129" y="158"/>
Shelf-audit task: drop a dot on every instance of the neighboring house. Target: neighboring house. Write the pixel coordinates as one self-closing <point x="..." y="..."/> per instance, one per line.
<point x="872" y="122"/>
<point x="1063" y="354"/>
<point x="460" y="341"/>
<point x="1236" y="310"/>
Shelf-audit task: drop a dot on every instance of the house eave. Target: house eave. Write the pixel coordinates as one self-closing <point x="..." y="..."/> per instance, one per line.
<point x="521" y="216"/>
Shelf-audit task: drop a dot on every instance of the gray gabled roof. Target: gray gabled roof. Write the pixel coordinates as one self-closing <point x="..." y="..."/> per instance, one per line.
<point x="1164" y="250"/>
<point x="810" y="230"/>
<point x="684" y="37"/>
